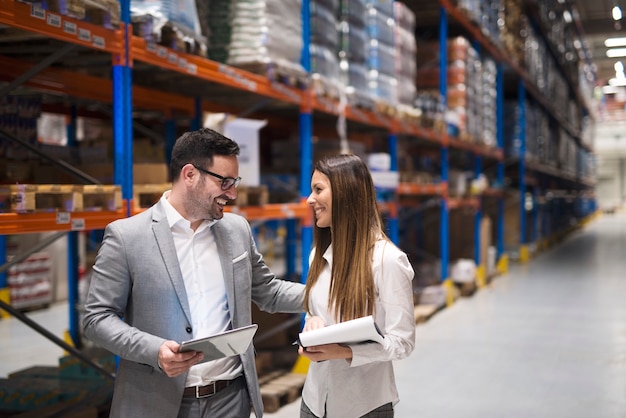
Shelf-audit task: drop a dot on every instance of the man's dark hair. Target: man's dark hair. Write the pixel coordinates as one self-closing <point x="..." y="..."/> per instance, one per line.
<point x="198" y="148"/>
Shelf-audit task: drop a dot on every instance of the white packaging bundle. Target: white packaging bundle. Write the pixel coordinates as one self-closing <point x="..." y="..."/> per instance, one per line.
<point x="265" y="31"/>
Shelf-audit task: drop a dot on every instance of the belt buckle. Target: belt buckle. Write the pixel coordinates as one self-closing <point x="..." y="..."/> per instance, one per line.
<point x="198" y="396"/>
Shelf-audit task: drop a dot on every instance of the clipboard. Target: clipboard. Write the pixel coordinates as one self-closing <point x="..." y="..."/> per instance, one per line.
<point x="229" y="343"/>
<point x="355" y="331"/>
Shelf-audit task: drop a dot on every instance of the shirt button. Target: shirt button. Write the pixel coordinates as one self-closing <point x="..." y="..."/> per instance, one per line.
<point x="188" y="329"/>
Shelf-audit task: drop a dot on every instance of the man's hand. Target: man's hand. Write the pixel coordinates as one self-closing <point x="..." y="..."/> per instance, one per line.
<point x="313" y="322"/>
<point x="174" y="363"/>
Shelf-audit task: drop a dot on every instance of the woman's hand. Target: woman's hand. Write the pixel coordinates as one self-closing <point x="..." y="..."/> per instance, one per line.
<point x="326" y="352"/>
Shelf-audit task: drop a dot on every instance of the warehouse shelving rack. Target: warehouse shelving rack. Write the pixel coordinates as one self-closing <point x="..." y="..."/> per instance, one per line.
<point x="530" y="172"/>
<point x="193" y="79"/>
<point x="127" y="50"/>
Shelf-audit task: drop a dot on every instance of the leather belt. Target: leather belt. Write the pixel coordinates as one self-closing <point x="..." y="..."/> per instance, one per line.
<point x="208" y="390"/>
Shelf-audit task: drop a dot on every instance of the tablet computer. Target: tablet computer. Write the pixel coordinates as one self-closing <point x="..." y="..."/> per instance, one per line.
<point x="229" y="343"/>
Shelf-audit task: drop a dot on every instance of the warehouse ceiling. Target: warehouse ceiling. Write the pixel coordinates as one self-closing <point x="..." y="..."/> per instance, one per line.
<point x="598" y="25"/>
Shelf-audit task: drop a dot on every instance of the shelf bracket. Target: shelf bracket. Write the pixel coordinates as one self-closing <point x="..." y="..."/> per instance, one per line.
<point x="45" y="63"/>
<point x="67" y="167"/>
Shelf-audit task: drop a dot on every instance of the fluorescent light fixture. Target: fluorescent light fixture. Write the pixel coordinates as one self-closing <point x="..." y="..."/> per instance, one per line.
<point x="617" y="13"/>
<point x="617" y="82"/>
<point x="615" y="42"/>
<point x="619" y="67"/>
<point x="610" y="90"/>
<point x="616" y="53"/>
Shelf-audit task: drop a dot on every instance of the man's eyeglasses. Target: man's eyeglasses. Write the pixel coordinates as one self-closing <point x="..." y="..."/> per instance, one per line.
<point x="227" y="182"/>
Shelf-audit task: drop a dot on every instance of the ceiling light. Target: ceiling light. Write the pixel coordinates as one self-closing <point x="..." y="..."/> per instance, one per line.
<point x="617" y="13"/>
<point x="616" y="53"/>
<point x="619" y="67"/>
<point x="614" y="42"/>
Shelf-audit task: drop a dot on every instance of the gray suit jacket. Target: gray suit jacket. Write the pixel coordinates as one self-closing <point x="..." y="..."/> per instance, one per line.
<point x="137" y="300"/>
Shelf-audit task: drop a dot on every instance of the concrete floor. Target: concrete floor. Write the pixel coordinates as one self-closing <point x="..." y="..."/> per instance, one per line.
<point x="548" y="339"/>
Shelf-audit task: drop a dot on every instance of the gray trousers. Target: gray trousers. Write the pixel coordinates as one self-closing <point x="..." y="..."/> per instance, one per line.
<point x="384" y="411"/>
<point x="231" y="402"/>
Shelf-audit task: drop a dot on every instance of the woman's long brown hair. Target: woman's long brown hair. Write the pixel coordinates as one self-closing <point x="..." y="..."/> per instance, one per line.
<point x="355" y="227"/>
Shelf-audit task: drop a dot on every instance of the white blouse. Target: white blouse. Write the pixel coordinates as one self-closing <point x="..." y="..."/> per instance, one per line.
<point x="351" y="388"/>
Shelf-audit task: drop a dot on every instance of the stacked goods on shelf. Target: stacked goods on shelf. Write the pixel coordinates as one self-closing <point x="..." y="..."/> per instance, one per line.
<point x="323" y="47"/>
<point x="30" y="281"/>
<point x="352" y="52"/>
<point x="406" y="50"/>
<point x="544" y="71"/>
<point x="561" y="35"/>
<point x="18" y="117"/>
<point x="487" y="108"/>
<point x="173" y="24"/>
<point x="431" y="109"/>
<point x="380" y="52"/>
<point x="485" y="14"/>
<point x="105" y="13"/>
<point x="215" y="17"/>
<point x="513" y="31"/>
<point x="266" y="37"/>
<point x="471" y="89"/>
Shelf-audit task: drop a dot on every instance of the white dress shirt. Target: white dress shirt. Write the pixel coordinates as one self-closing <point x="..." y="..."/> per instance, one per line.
<point x="206" y="292"/>
<point x="351" y="388"/>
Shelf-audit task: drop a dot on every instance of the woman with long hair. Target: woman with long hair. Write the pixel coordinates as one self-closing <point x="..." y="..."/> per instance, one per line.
<point x="355" y="271"/>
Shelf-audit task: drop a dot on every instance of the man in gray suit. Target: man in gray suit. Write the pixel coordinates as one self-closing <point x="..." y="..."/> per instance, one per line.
<point x="183" y="269"/>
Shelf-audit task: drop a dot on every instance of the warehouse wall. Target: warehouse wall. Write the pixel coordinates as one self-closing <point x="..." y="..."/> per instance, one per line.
<point x="610" y="147"/>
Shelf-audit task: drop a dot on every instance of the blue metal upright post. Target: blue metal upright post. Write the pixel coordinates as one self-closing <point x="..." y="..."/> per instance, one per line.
<point x="524" y="254"/>
<point x="393" y="226"/>
<point x="170" y="138"/>
<point x="501" y="258"/>
<point x="122" y="114"/>
<point x="73" y="259"/>
<point x="443" y="93"/>
<point x="306" y="144"/>
<point x="196" y="121"/>
<point x="478" y="217"/>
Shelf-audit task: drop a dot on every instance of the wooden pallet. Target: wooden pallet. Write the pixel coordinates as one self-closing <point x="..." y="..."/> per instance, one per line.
<point x="323" y="87"/>
<point x="102" y="197"/>
<point x="467" y="288"/>
<point x="64" y="197"/>
<point x="279" y="73"/>
<point x="281" y="389"/>
<point x="423" y="313"/>
<point x="146" y="195"/>
<point x="251" y="196"/>
<point x="361" y="101"/>
<point x="386" y="108"/>
<point x="46" y="197"/>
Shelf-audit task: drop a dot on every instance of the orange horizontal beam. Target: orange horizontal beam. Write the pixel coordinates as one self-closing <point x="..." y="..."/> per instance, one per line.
<point x="213" y="71"/>
<point x="421" y="189"/>
<point x="22" y="223"/>
<point x="457" y="203"/>
<point x="274" y="211"/>
<point x="478" y="149"/>
<point x="31" y="17"/>
<point x="99" y="89"/>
